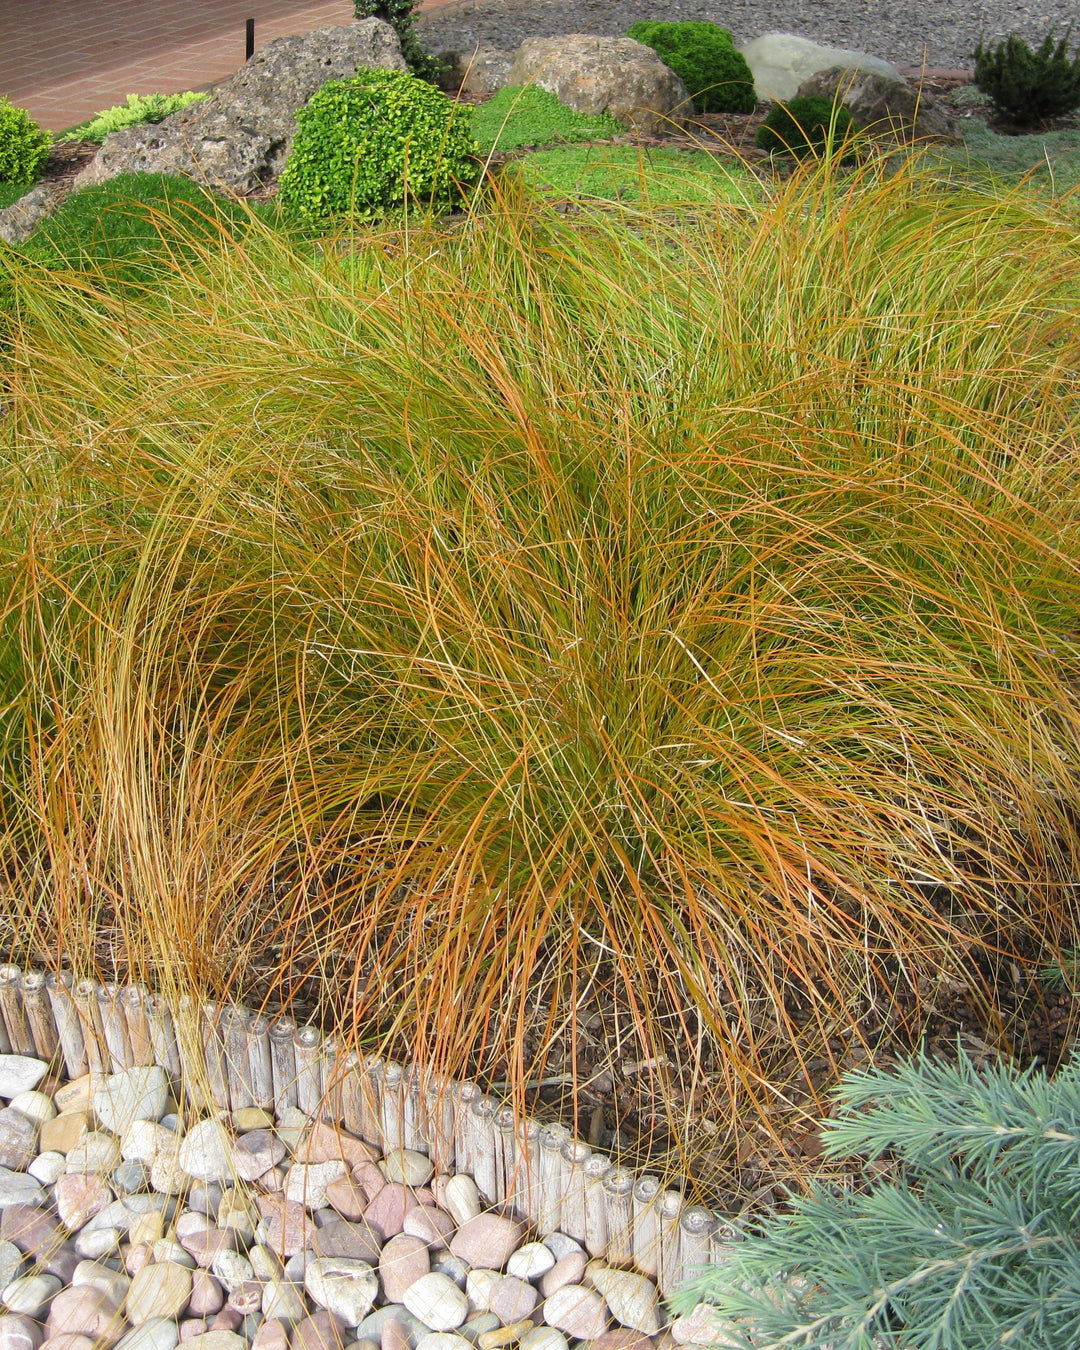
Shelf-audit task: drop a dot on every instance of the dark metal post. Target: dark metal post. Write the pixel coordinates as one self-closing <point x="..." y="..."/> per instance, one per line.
<point x="250" y="40"/>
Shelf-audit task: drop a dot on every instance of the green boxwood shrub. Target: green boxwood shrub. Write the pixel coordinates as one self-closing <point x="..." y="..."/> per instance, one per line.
<point x="377" y="142"/>
<point x="524" y="115"/>
<point x="805" y="126"/>
<point x="138" y="109"/>
<point x="1029" y="86"/>
<point x="24" y="147"/>
<point x="705" y="58"/>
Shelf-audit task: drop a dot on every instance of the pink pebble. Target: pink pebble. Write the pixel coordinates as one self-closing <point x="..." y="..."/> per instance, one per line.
<point x="271" y="1335"/>
<point x="228" y="1319"/>
<point x="193" y="1326"/>
<point x="207" y="1295"/>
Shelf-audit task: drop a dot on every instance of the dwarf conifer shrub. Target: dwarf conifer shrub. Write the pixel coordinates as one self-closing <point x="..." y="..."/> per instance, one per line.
<point x="24" y="146"/>
<point x="805" y="126"/>
<point x="399" y="15"/>
<point x="1029" y="86"/>
<point x="972" y="1246"/>
<point x="377" y="142"/>
<point x="705" y="58"/>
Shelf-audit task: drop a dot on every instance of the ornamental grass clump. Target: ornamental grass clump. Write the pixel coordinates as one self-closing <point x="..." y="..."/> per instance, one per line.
<point x="657" y="637"/>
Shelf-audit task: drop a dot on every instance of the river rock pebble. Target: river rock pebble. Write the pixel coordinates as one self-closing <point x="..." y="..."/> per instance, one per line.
<point x="578" y="1311"/>
<point x="487" y="1240"/>
<point x="632" y="1298"/>
<point x="20" y="1333"/>
<point x="18" y="1139"/>
<point x="437" y="1301"/>
<point x="206" y="1151"/>
<point x="20" y="1188"/>
<point x="136" y="1094"/>
<point x="20" y="1073"/>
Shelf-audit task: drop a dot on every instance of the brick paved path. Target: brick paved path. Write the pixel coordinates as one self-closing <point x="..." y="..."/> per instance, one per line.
<point x="65" y="60"/>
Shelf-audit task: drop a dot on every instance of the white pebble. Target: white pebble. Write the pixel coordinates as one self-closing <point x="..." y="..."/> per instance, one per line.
<point x="29" y="1294"/>
<point x="531" y="1261"/>
<point x="46" y="1167"/>
<point x="36" y="1106"/>
<point x="437" y="1301"/>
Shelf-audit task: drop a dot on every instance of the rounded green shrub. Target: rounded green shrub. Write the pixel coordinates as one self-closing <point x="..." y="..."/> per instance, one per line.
<point x="805" y="126"/>
<point x="705" y="58"/>
<point x="24" y="147"/>
<point x="376" y="142"/>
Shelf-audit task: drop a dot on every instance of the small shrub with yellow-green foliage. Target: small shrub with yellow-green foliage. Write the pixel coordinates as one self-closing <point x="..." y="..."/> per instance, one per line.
<point x="506" y="622"/>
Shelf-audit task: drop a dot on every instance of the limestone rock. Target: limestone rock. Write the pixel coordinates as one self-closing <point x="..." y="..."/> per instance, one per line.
<point x="704" y="1325"/>
<point x="206" y="1150"/>
<point x="480" y="72"/>
<point x="605" y="74"/>
<point x="631" y="1297"/>
<point x="880" y="104"/>
<point x="241" y="135"/>
<point x="578" y="1311"/>
<point x="781" y="62"/>
<point x="96" y="1151"/>
<point x="307" y="1182"/>
<point x="63" y="1132"/>
<point x="459" y="1196"/>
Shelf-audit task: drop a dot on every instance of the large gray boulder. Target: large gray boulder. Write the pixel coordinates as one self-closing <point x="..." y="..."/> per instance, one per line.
<point x="241" y="135"/>
<point x="880" y="105"/>
<point x="605" y="74"/>
<point x="18" y="220"/>
<point x="481" y="71"/>
<point x="781" y="62"/>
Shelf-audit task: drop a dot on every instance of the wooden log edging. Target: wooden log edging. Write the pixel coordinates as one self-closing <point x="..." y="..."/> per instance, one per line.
<point x="227" y="1057"/>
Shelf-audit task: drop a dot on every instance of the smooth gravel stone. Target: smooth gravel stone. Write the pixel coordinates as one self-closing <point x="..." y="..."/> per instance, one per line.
<point x="386" y="1212"/>
<point x="632" y="1299"/>
<point x="249" y="1118"/>
<point x="77" y="1094"/>
<point x="129" y="1178"/>
<point x="204" y="1198"/>
<point x="568" y="1269"/>
<point x="368" y="1176"/>
<point x="296" y="1265"/>
<point x="158" y="1291"/>
<point x="437" y="1301"/>
<point x="79" y="1196"/>
<point x="283" y="1301"/>
<point x="358" y="1240"/>
<point x="479" y="1326"/>
<point x="544" y="1338"/>
<point x="11" y="1263"/>
<point x="20" y="1073"/>
<point x="60" y="1261"/>
<point x="560" y="1245"/>
<point x="191" y="1222"/>
<point x="96" y="1151"/>
<point x="30" y="1227"/>
<point x="288" y="1226"/>
<point x="165" y="1249"/>
<point x="453" y="1267"/>
<point x="530" y="1261"/>
<point x="206" y="1151"/>
<point x="402" y="1262"/>
<point x="265" y="1263"/>
<point x="307" y="1182"/>
<point x="408" y="1166"/>
<point x="513" y="1299"/>
<point x="156" y="1333"/>
<point x="69" y="1341"/>
<point x="36" y="1106"/>
<point x="86" y="1311"/>
<point x="20" y="1333"/>
<point x="63" y="1132"/>
<point x="97" y="1275"/>
<point x="18" y="1139"/>
<point x="147" y="1228"/>
<point x="246" y="1298"/>
<point x="19" y="1188"/>
<point x="207" y="1295"/>
<point x="460" y="1198"/>
<point x="143" y="1140"/>
<point x="191" y="1327"/>
<point x="347" y="1196"/>
<point x="326" y="1143"/>
<point x="94" y="1243"/>
<point x="292" y="1125"/>
<point x="167" y="1177"/>
<point x="371" y="1328"/>
<point x="30" y="1294"/>
<point x="271" y="1335"/>
<point x="431" y="1223"/>
<point x="622" y="1338"/>
<point x="363" y="1344"/>
<point x="218" y="1340"/>
<point x="394" y="1336"/>
<point x="232" y="1269"/>
<point x="135" y="1094"/>
<point x="46" y="1167"/>
<point x="208" y="1244"/>
<point x="320" y="1331"/>
<point x="228" y="1319"/>
<point x="479" y="1285"/>
<point x="121" y="1212"/>
<point x="254" y="1154"/>
<point x="441" y="1340"/>
<point x="488" y="1240"/>
<point x="578" y="1311"/>
<point x="343" y="1286"/>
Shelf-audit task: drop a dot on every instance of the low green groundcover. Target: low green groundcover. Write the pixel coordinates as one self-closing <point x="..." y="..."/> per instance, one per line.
<point x="521" y="115"/>
<point x="625" y="173"/>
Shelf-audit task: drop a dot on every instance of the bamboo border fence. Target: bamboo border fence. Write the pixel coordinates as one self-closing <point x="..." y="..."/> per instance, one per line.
<point x="228" y="1057"/>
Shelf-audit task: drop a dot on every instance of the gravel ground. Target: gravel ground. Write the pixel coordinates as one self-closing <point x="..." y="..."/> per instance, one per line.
<point x="937" y="33"/>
